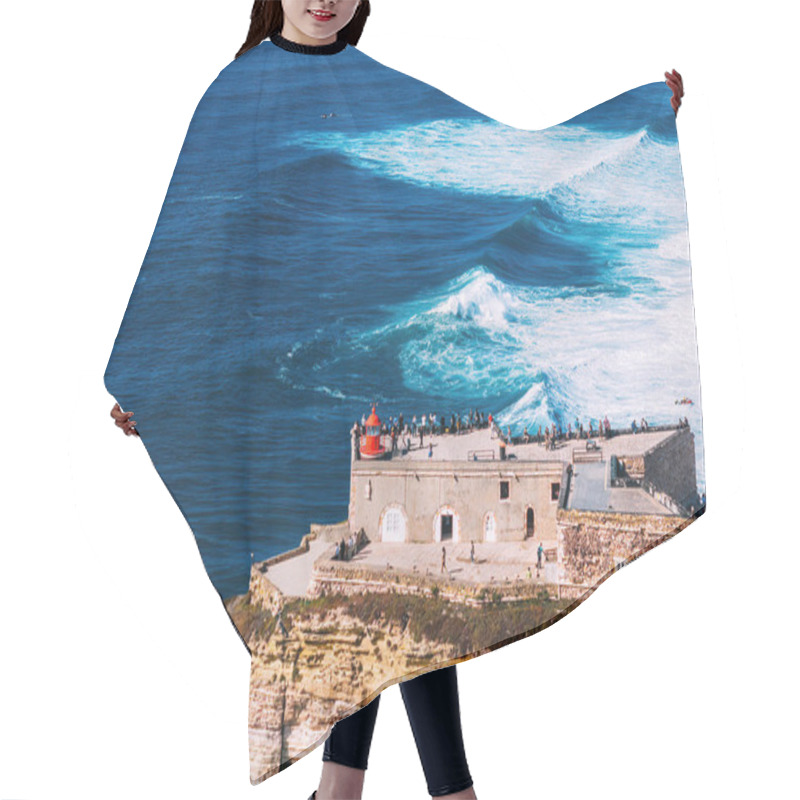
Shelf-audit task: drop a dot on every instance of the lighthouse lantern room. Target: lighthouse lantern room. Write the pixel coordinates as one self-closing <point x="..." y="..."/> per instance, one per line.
<point x="371" y="446"/>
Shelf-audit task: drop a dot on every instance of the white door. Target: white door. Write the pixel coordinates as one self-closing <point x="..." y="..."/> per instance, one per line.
<point x="489" y="528"/>
<point x="393" y="528"/>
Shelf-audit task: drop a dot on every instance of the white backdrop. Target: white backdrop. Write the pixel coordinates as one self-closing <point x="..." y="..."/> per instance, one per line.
<point x="120" y="674"/>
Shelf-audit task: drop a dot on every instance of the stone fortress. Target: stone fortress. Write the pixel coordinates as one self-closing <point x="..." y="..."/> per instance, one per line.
<point x="451" y="530"/>
<point x="591" y="504"/>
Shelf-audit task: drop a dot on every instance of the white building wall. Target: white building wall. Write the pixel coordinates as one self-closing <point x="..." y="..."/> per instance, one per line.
<point x="423" y="493"/>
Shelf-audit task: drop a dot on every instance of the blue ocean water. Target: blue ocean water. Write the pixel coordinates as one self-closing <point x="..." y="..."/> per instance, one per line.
<point x="338" y="233"/>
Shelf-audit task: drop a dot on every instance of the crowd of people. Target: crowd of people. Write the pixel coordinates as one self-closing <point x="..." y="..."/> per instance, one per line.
<point x="347" y="548"/>
<point x="596" y="428"/>
<point x="403" y="431"/>
<point x="427" y="424"/>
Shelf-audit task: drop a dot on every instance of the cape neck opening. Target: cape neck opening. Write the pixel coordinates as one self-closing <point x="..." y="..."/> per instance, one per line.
<point x="310" y="49"/>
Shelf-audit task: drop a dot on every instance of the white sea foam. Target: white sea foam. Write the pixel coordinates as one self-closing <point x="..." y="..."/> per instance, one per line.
<point x="478" y="156"/>
<point x="565" y="353"/>
<point x="560" y="352"/>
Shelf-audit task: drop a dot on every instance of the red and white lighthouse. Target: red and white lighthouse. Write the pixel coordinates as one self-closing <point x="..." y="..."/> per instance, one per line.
<point x="371" y="446"/>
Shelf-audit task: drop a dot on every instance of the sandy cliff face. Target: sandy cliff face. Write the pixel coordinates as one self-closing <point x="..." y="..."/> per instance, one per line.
<point x="323" y="658"/>
<point x="327" y="665"/>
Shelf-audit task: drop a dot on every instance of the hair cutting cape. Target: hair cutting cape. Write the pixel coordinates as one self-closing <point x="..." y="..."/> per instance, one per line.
<point x="418" y="380"/>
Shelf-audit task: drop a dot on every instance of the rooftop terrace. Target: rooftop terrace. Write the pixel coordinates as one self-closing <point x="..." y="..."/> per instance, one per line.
<point x="484" y="444"/>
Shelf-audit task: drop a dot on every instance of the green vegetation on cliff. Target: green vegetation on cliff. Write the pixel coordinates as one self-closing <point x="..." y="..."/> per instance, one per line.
<point x="467" y="628"/>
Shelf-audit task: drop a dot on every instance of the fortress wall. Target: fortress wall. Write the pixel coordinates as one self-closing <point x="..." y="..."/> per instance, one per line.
<point x="670" y="467"/>
<point x="592" y="544"/>
<point x="470" y="495"/>
<point x="263" y="592"/>
<point x="336" y="578"/>
<point x="329" y="532"/>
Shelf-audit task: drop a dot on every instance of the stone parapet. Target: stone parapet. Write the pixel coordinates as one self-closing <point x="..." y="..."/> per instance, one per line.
<point x="263" y="592"/>
<point x="330" y="578"/>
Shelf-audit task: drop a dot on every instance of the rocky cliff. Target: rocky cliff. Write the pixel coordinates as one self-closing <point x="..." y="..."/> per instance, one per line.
<point x="320" y="659"/>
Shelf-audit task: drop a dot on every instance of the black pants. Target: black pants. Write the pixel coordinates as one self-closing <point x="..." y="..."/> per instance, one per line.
<point x="432" y="706"/>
